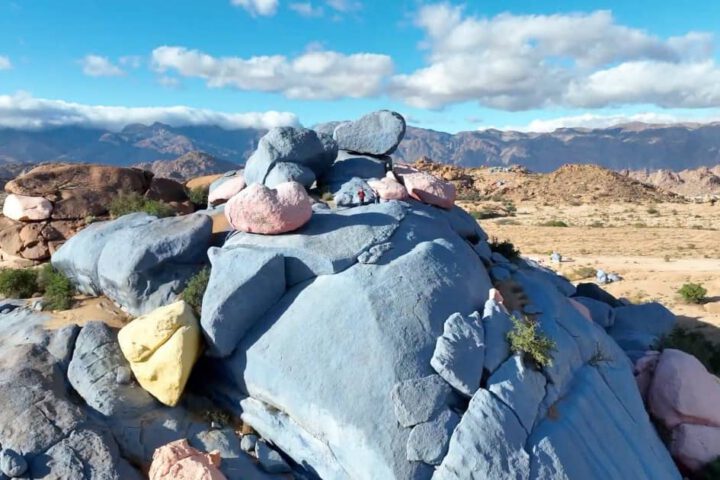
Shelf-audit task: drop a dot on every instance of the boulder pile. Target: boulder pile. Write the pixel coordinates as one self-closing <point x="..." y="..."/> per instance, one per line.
<point x="49" y="204"/>
<point x="368" y="337"/>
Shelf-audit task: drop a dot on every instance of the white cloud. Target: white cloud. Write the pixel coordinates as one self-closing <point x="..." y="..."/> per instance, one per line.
<point x="131" y="61"/>
<point x="257" y="7"/>
<point x="97" y="66"/>
<point x="307" y="9"/>
<point x="517" y="62"/>
<point x="24" y="111"/>
<point x="5" y="63"/>
<point x="591" y="120"/>
<point x="313" y="75"/>
<point x="345" y="5"/>
<point x="168" y="81"/>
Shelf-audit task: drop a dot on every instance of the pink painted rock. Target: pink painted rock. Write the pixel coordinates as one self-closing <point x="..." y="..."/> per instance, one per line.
<point x="644" y="369"/>
<point x="24" y="208"/>
<point x="682" y="391"/>
<point x="259" y="209"/>
<point x="179" y="461"/>
<point x="389" y="188"/>
<point x="694" y="446"/>
<point x="227" y="190"/>
<point x="584" y="311"/>
<point x="430" y="189"/>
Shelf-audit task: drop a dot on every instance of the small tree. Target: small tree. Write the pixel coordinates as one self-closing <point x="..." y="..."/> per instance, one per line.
<point x="195" y="289"/>
<point x="57" y="289"/>
<point x="525" y="339"/>
<point x="693" y="293"/>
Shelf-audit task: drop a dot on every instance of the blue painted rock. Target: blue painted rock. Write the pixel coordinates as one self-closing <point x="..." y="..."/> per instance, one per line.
<point x="377" y="133"/>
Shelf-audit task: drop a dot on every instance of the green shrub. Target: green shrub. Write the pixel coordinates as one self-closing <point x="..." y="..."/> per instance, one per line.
<point x="554" y="223"/>
<point x="195" y="289"/>
<point x="695" y="344"/>
<point x="693" y="293"/>
<point x="525" y="339"/>
<point x="57" y="289"/>
<point x="505" y="248"/>
<point x="653" y="211"/>
<point x="199" y="196"/>
<point x="134" y="202"/>
<point x="18" y="283"/>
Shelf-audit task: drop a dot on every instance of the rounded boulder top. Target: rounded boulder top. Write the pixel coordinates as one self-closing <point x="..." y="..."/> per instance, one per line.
<point x="377" y="133"/>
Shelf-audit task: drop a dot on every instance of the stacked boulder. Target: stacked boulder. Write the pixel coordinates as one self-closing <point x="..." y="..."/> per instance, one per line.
<point x="50" y="203"/>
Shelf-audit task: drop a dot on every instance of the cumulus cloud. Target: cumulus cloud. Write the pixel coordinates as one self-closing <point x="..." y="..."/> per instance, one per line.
<point x="97" y="66"/>
<point x="24" y="111"/>
<point x="307" y="9"/>
<point x="516" y="62"/>
<point x="316" y="74"/>
<point x="345" y="5"/>
<point x="5" y="63"/>
<point x="257" y="7"/>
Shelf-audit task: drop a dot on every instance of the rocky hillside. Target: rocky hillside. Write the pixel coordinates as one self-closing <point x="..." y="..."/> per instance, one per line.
<point x="567" y="184"/>
<point x="634" y="147"/>
<point x="693" y="183"/>
<point x="189" y="165"/>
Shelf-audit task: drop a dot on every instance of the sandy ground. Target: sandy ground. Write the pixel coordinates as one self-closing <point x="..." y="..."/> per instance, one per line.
<point x="653" y="261"/>
<point x="87" y="309"/>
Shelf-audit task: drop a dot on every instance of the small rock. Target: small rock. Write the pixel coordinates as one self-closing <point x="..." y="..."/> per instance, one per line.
<point x="430" y="189"/>
<point x="229" y="187"/>
<point x="179" y="461"/>
<point x="12" y="463"/>
<point x="428" y="442"/>
<point x="460" y="352"/>
<point x="123" y="375"/>
<point x="23" y="208"/>
<point x="418" y="400"/>
<point x="270" y="460"/>
<point x="247" y="443"/>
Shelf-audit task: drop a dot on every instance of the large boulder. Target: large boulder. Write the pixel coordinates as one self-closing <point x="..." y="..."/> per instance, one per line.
<point x="430" y="189"/>
<point x="259" y="209"/>
<point x="284" y="172"/>
<point x="377" y="133"/>
<point x="146" y="266"/>
<point x="23" y="208"/>
<point x="235" y="299"/>
<point x="637" y="328"/>
<point x="162" y="348"/>
<point x="389" y="188"/>
<point x="293" y="145"/>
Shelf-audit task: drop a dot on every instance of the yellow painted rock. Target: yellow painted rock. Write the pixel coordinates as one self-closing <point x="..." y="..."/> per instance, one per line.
<point x="162" y="347"/>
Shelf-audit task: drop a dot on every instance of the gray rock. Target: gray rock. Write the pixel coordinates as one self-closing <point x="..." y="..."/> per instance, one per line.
<point x="591" y="290"/>
<point x="237" y="298"/>
<point x="460" y="353"/>
<point x="123" y="375"/>
<point x="420" y="399"/>
<point x="349" y="193"/>
<point x="78" y="257"/>
<point x="270" y="460"/>
<point x="146" y="266"/>
<point x="499" y="258"/>
<point x="428" y="442"/>
<point x="640" y="327"/>
<point x="487" y="444"/>
<point x="283" y="172"/>
<point x="330" y="242"/>
<point x="247" y="443"/>
<point x="61" y="344"/>
<point x="327" y="128"/>
<point x="499" y="273"/>
<point x="601" y="313"/>
<point x="349" y="165"/>
<point x="497" y="325"/>
<point x="520" y="388"/>
<point x="12" y="463"/>
<point x="293" y="145"/>
<point x="377" y="133"/>
<point x="93" y="373"/>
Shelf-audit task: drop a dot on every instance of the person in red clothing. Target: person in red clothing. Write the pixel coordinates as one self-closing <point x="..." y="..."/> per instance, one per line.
<point x="361" y="196"/>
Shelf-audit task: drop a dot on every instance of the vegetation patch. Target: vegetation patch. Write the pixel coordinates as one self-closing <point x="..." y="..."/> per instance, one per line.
<point x="18" y="283"/>
<point x="580" y="273"/>
<point x="57" y="289"/>
<point x="195" y="289"/>
<point x="525" y="339"/>
<point x="695" y="344"/>
<point x="199" y="196"/>
<point x="126" y="203"/>
<point x="693" y="293"/>
<point x="504" y="248"/>
<point x="554" y="223"/>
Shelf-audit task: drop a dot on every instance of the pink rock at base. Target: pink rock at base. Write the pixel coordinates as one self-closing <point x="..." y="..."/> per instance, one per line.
<point x="23" y="208"/>
<point x="644" y="369"/>
<point x="682" y="391"/>
<point x="389" y="188"/>
<point x="227" y="190"/>
<point x="694" y="446"/>
<point x="430" y="189"/>
<point x="179" y="461"/>
<point x="259" y="209"/>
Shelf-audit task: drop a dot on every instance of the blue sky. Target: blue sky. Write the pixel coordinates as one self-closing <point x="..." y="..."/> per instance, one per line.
<point x="449" y="66"/>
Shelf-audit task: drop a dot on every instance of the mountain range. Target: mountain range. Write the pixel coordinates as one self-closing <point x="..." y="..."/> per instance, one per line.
<point x="632" y="146"/>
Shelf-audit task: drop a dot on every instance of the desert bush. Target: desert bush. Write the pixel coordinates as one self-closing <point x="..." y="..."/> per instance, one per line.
<point x="525" y="339"/>
<point x="506" y="221"/>
<point x="597" y="224"/>
<point x="580" y="273"/>
<point x="504" y="248"/>
<point x="134" y="202"/>
<point x="56" y="288"/>
<point x="554" y="223"/>
<point x="18" y="283"/>
<point x="199" y="196"/>
<point x="695" y="344"/>
<point x="195" y="289"/>
<point x="693" y="293"/>
<point x="653" y="211"/>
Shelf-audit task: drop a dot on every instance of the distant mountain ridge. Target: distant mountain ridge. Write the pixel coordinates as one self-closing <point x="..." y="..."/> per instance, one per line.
<point x="625" y="147"/>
